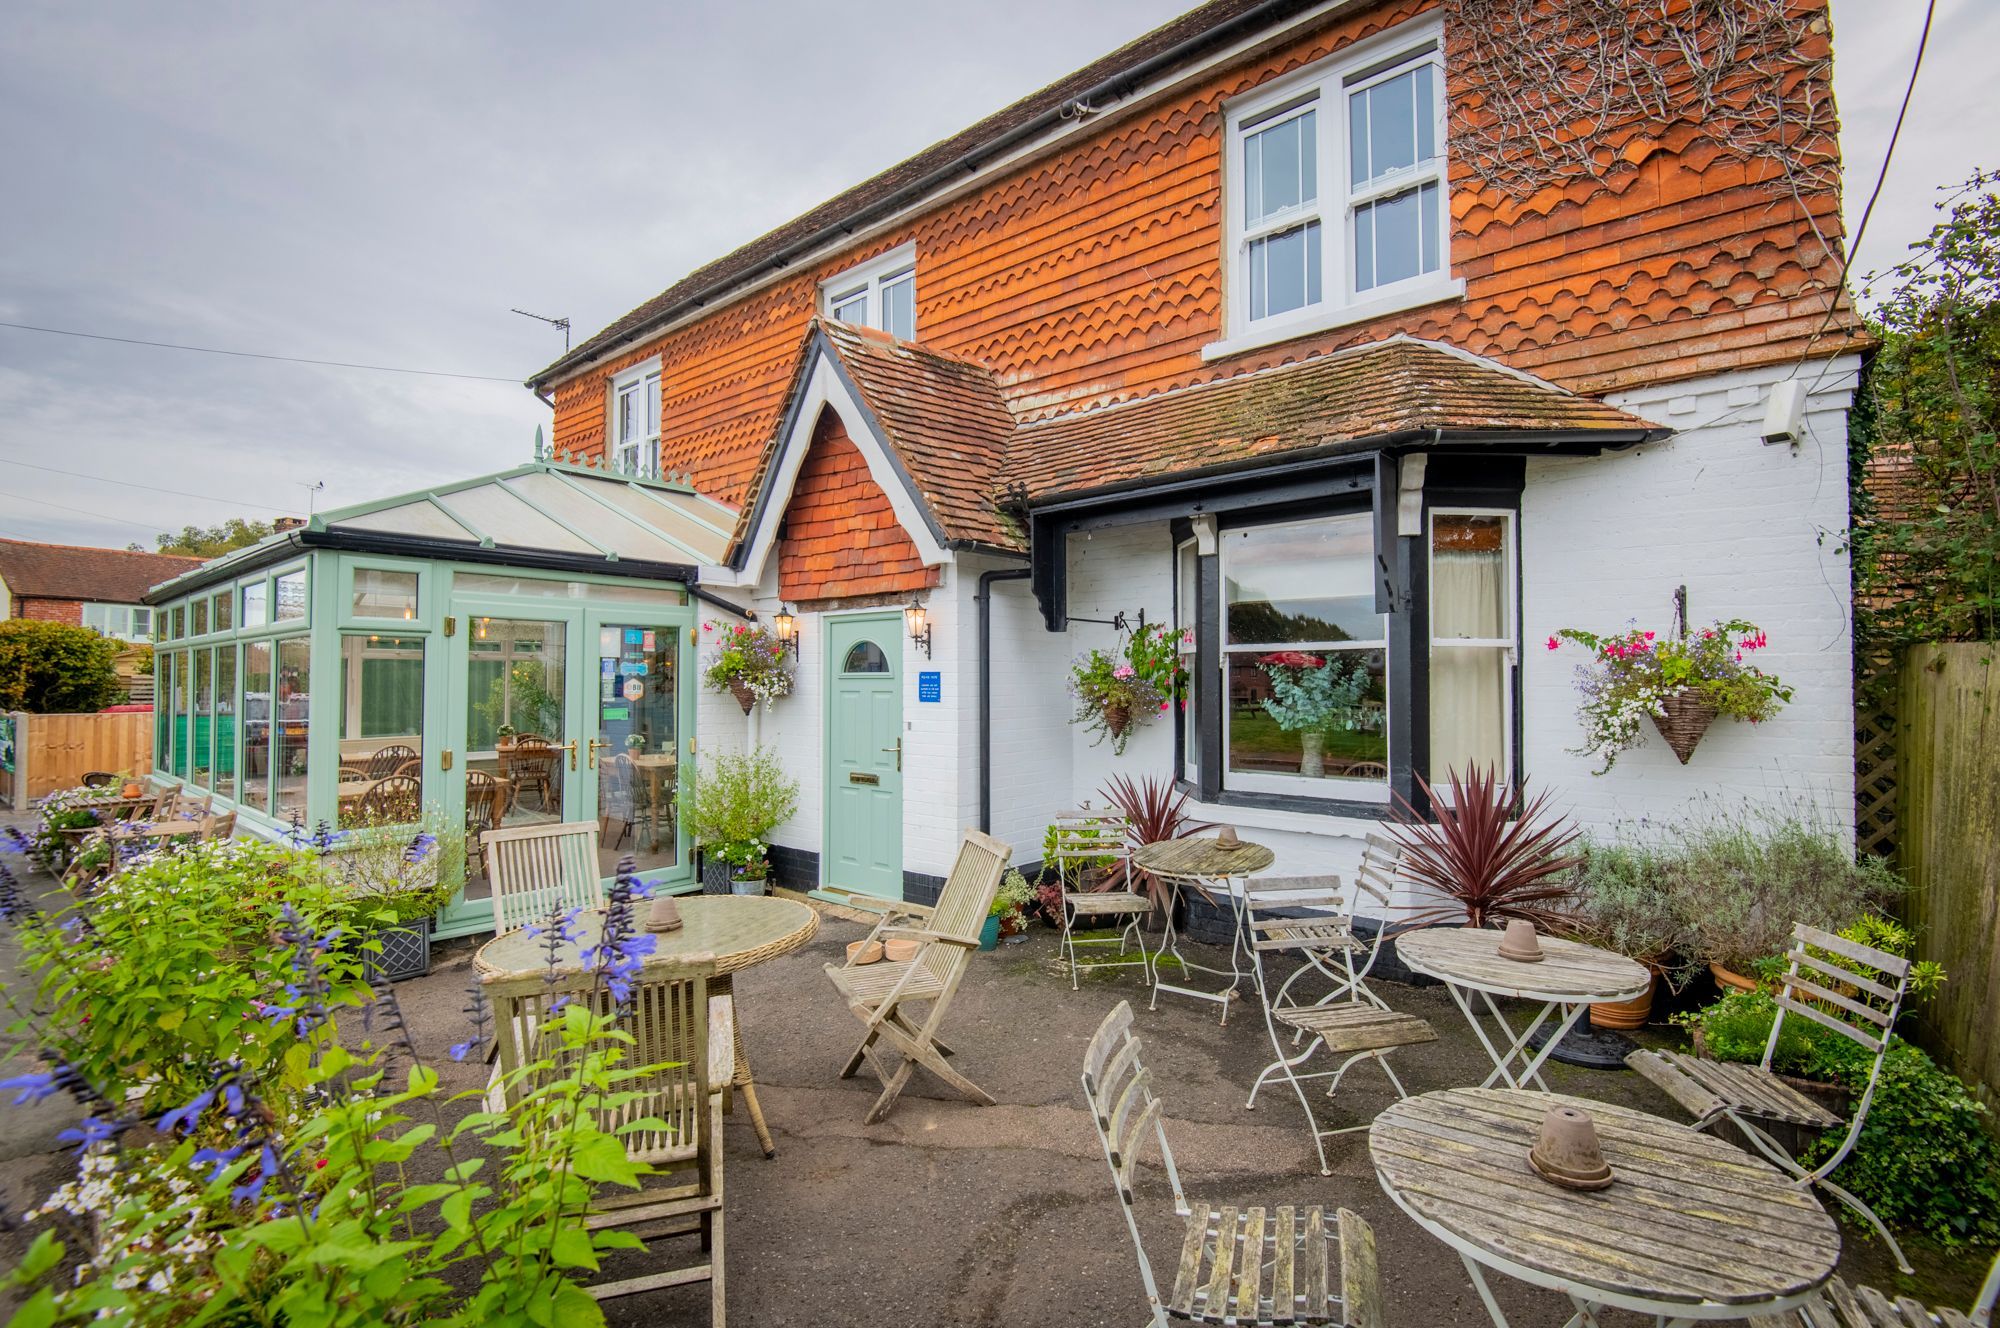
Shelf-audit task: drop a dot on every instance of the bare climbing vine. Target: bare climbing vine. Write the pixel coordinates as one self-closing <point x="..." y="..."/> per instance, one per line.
<point x="1558" y="91"/>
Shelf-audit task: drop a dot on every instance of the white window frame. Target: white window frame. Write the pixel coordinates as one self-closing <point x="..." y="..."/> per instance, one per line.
<point x="1333" y="788"/>
<point x="639" y="456"/>
<point x="1510" y="578"/>
<point x="866" y="282"/>
<point x="119" y="620"/>
<point x="1187" y="623"/>
<point x="1325" y="86"/>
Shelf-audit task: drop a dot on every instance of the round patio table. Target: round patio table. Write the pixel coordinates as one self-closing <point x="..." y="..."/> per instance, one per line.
<point x="1571" y="975"/>
<point x="1691" y="1228"/>
<point x="739" y="930"/>
<point x="1209" y="868"/>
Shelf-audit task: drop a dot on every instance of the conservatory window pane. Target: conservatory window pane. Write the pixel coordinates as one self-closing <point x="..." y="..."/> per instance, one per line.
<point x="255" y="595"/>
<point x="199" y="614"/>
<point x="291" y="596"/>
<point x="291" y="722"/>
<point x="203" y="721"/>
<point x="257" y="725"/>
<point x="1317" y="714"/>
<point x="381" y="729"/>
<point x="225" y="717"/>
<point x="383" y="594"/>
<point x="183" y="677"/>
<point x="222" y="613"/>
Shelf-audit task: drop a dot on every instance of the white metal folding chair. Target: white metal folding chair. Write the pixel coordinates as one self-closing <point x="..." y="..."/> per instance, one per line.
<point x="1332" y="926"/>
<point x="1311" y="917"/>
<point x="1084" y="840"/>
<point x="1290" y="1264"/>
<point x="1853" y="989"/>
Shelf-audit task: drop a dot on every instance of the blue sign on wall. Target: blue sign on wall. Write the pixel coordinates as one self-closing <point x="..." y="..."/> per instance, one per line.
<point x="930" y="686"/>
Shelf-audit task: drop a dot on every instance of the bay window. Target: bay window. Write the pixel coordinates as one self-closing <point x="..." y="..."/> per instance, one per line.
<point x="1338" y="205"/>
<point x="1472" y="642"/>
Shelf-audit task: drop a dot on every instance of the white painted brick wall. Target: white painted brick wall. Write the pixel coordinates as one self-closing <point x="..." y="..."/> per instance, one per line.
<point x="1031" y="708"/>
<point x="1754" y="532"/>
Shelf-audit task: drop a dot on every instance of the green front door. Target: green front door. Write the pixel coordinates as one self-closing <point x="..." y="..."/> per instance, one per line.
<point x="863" y="849"/>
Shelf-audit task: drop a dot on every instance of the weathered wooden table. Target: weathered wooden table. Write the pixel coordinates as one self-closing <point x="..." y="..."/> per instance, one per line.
<point x="1209" y="868"/>
<point x="739" y="930"/>
<point x="1691" y="1229"/>
<point x="1571" y="975"/>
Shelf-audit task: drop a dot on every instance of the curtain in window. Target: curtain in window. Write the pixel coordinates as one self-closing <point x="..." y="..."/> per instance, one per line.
<point x="1468" y="683"/>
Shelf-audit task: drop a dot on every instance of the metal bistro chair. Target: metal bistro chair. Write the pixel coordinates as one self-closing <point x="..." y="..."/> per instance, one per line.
<point x="684" y="1039"/>
<point x="388" y="761"/>
<point x="1823" y="967"/>
<point x="1292" y="1264"/>
<point x="1312" y="917"/>
<point x="1839" y="1305"/>
<point x="537" y="869"/>
<point x="1085" y="838"/>
<point x="1332" y="927"/>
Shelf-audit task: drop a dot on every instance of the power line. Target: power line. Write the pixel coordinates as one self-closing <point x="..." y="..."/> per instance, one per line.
<point x="256" y="355"/>
<point x="81" y="511"/>
<point x="149" y="488"/>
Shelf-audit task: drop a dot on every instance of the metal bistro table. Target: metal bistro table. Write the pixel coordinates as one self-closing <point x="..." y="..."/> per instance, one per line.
<point x="739" y="930"/>
<point x="1203" y="864"/>
<point x="1571" y="975"/>
<point x="1691" y="1229"/>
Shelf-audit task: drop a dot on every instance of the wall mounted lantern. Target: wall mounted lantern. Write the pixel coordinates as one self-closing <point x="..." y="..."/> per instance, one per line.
<point x="920" y="627"/>
<point x="786" y="623"/>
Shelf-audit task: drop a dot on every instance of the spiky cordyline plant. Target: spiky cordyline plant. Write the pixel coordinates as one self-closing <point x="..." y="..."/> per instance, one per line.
<point x="1156" y="811"/>
<point x="1488" y="863"/>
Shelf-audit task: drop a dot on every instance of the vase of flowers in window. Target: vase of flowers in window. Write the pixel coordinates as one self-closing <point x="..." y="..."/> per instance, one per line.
<point x="748" y="662"/>
<point x="1318" y="697"/>
<point x="1683" y="683"/>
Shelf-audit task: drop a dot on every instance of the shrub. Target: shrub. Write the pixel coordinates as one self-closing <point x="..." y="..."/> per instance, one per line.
<point x="1484" y="858"/>
<point x="1925" y="1160"/>
<point x="1010" y="903"/>
<point x="1623" y="902"/>
<point x="734" y="799"/>
<point x="50" y="668"/>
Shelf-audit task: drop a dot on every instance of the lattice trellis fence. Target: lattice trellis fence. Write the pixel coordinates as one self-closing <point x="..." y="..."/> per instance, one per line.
<point x="1874" y="782"/>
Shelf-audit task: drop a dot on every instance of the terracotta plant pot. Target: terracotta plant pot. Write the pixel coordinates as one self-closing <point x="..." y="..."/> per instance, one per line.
<point x="863" y="952"/>
<point x="1729" y="981"/>
<point x="1117" y="718"/>
<point x="744" y="696"/>
<point x="1626" y="1014"/>
<point x="900" y="949"/>
<point x="133" y="789"/>
<point x="1687" y="717"/>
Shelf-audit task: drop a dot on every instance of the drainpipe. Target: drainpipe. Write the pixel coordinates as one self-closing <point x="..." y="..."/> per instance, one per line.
<point x="984" y="598"/>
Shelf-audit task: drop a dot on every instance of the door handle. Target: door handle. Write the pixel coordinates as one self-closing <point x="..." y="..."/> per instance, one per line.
<point x="898" y="750"/>
<point x="596" y="745"/>
<point x="569" y="747"/>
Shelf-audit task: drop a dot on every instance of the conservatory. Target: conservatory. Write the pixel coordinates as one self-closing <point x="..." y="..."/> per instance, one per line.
<point x="511" y="650"/>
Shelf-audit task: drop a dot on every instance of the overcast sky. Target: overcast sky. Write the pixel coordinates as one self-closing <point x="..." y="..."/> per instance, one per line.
<point x="381" y="183"/>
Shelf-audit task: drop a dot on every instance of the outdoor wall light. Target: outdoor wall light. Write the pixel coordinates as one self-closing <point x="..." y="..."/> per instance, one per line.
<point x="920" y="627"/>
<point x="787" y="625"/>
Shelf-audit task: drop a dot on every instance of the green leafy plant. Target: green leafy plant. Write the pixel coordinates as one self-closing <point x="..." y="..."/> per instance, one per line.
<point x="1634" y="673"/>
<point x="749" y="654"/>
<point x="525" y="695"/>
<point x="1155" y="811"/>
<point x="1320" y="695"/>
<point x="50" y="668"/>
<point x="732" y="802"/>
<point x="1011" y="903"/>
<point x="1154" y="652"/>
<point x="1926" y="1159"/>
<point x="1484" y="859"/>
<point x="394" y="870"/>
<point x="1622" y="900"/>
<point x="1112" y="697"/>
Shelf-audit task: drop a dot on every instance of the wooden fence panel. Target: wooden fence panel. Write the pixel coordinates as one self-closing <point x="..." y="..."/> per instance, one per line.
<point x="55" y="751"/>
<point x="1948" y="831"/>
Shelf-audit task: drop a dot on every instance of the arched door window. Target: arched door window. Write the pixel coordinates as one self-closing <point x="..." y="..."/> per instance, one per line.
<point x="865" y="657"/>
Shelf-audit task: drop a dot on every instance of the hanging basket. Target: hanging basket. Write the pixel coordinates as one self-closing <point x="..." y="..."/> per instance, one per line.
<point x="1117" y="718"/>
<point x="747" y="698"/>
<point x="1686" y="718"/>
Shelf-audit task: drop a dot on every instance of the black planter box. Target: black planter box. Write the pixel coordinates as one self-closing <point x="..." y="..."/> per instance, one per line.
<point x="405" y="952"/>
<point x="715" y="876"/>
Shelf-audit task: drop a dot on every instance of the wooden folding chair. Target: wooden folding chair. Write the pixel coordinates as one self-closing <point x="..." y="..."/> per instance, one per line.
<point x="1084" y="838"/>
<point x="882" y="994"/>
<point x="683" y="1038"/>
<point x="1853" y="989"/>
<point x="1312" y="917"/>
<point x="538" y="869"/>
<point x="1292" y="1264"/>
<point x="1839" y="1305"/>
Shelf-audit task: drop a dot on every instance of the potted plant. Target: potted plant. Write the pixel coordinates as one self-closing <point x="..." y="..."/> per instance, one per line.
<point x="1485" y="860"/>
<point x="748" y="662"/>
<point x="398" y="880"/>
<point x="1155" y="811"/>
<point x="1683" y="683"/>
<point x="1008" y="916"/>
<point x="732" y="802"/>
<point x="505" y="737"/>
<point x="1110" y="694"/>
<point x="635" y="743"/>
<point x="1624" y="901"/>
<point x="1319" y="697"/>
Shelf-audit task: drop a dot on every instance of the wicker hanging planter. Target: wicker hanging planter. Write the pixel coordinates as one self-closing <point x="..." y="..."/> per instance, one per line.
<point x="1686" y="717"/>
<point x="747" y="698"/>
<point x="1117" y="718"/>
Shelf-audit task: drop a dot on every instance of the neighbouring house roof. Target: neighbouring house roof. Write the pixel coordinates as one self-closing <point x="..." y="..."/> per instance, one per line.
<point x="1169" y="46"/>
<point x="1344" y="400"/>
<point x="78" y="572"/>
<point x="967" y="458"/>
<point x="543" y="514"/>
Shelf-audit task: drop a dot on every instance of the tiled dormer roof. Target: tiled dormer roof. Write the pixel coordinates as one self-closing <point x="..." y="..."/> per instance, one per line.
<point x="90" y="575"/>
<point x="947" y="421"/>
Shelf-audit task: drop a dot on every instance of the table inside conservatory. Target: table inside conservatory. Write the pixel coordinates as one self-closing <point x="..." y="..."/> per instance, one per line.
<point x="739" y="930"/>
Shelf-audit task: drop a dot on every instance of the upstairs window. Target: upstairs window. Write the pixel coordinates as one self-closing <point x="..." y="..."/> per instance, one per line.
<point x="125" y="622"/>
<point x="635" y="420"/>
<point x="1338" y="200"/>
<point x="881" y="293"/>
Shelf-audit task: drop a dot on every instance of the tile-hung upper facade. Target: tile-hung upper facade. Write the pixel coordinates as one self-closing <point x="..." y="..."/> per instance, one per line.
<point x="1234" y="329"/>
